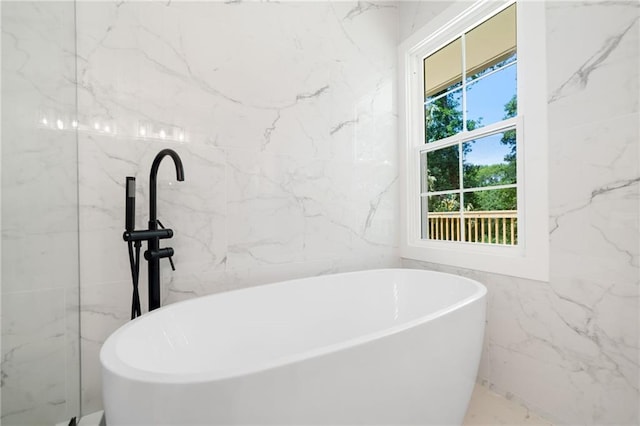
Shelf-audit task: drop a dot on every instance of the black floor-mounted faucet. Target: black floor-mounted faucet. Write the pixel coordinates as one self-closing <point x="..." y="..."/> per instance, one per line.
<point x="154" y="253"/>
<point x="153" y="235"/>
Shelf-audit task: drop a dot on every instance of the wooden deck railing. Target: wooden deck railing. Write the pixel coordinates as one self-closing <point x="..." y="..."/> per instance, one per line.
<point x="491" y="227"/>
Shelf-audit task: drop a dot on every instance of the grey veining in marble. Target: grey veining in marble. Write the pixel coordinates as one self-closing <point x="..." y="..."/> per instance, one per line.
<point x="40" y="310"/>
<point x="284" y="115"/>
<point x="569" y="348"/>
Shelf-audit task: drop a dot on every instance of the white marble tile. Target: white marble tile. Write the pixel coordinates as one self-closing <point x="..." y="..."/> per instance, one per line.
<point x="591" y="160"/>
<point x="288" y="116"/>
<point x="283" y="210"/>
<point x="286" y="210"/>
<point x="266" y="220"/>
<point x="374" y="201"/>
<point x="39" y="214"/>
<point x="38" y="67"/>
<point x="593" y="294"/>
<point x="104" y="162"/>
<point x="287" y="104"/>
<point x="376" y="258"/>
<point x="553" y="352"/>
<point x="529" y="340"/>
<point x="489" y="408"/>
<point x="195" y="208"/>
<point x="180" y="71"/>
<point x="570" y="346"/>
<point x="104" y="308"/>
<point x="105" y="258"/>
<point x="415" y="14"/>
<point x="39" y="184"/>
<point x="33" y="357"/>
<point x="72" y="347"/>
<point x="38" y="61"/>
<point x="39" y="261"/>
<point x="186" y="285"/>
<point x="593" y="69"/>
<point x="91" y="373"/>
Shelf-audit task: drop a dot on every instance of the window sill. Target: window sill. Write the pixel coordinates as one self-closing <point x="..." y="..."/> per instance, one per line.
<point x="503" y="260"/>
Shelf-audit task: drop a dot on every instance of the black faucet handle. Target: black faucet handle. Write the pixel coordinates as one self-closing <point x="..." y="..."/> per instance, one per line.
<point x="173" y="267"/>
<point x="147" y="234"/>
<point x="158" y="254"/>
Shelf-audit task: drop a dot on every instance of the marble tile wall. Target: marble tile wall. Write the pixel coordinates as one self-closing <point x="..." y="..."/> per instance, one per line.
<point x="284" y="115"/>
<point x="569" y="348"/>
<point x="40" y="312"/>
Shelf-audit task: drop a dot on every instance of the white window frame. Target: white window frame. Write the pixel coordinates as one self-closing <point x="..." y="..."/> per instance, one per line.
<point x="530" y="258"/>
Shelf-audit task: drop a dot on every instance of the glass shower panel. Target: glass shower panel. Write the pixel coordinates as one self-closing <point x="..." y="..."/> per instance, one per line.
<point x="39" y="282"/>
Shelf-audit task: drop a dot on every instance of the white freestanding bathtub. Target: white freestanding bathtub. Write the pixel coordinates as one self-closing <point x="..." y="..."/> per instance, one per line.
<point x="382" y="347"/>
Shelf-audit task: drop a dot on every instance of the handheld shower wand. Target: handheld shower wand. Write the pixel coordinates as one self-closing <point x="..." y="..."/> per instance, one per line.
<point x="134" y="260"/>
<point x="130" y="204"/>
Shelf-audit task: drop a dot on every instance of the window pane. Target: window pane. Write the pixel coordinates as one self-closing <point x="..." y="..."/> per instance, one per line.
<point x="443" y="116"/>
<point x="492" y="98"/>
<point x="491" y="216"/>
<point x="444" y="203"/>
<point x="443" y="68"/>
<point x="491" y="227"/>
<point x="476" y="212"/>
<point x="491" y="200"/>
<point x="490" y="160"/>
<point x="443" y="169"/>
<point x="443" y="220"/>
<point x="427" y="180"/>
<point x="491" y="43"/>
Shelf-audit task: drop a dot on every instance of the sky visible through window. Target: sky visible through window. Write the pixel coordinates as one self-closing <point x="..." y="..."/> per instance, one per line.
<point x="486" y="99"/>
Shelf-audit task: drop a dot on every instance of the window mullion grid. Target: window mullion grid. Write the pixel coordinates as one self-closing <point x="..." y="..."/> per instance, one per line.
<point x="435" y="98"/>
<point x="495" y="71"/>
<point x="458" y="140"/>
<point x="490" y="187"/>
<point x="466" y="135"/>
<point x="464" y="82"/>
<point x="445" y="192"/>
<point x="464" y="129"/>
<point x="424" y="182"/>
<point x="461" y="189"/>
<point x="491" y="129"/>
<point x="519" y="180"/>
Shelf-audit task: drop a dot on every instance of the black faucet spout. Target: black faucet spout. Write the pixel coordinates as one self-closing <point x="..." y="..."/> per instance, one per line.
<point x="154" y="253"/>
<point x="154" y="176"/>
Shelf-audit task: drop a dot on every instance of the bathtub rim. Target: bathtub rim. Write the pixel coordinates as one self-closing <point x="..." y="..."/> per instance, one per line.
<point x="114" y="365"/>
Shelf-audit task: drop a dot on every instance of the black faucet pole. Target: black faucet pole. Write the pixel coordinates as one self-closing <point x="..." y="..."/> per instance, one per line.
<point x="153" y="243"/>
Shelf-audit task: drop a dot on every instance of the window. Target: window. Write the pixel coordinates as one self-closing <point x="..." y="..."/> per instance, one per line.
<point x="474" y="140"/>
<point x="468" y="165"/>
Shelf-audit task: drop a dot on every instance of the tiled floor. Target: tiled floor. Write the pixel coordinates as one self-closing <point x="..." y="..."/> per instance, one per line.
<point x="489" y="408"/>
